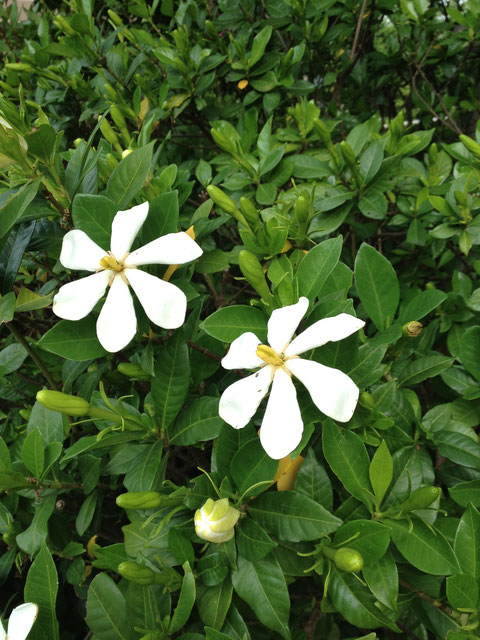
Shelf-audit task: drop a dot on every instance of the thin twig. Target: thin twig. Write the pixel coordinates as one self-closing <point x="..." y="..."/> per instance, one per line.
<point x="21" y="340"/>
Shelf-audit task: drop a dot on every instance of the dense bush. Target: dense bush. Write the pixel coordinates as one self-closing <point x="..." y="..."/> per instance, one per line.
<point x="320" y="154"/>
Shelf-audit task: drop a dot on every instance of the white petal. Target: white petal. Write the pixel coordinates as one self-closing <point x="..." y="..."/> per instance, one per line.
<point x="79" y="252"/>
<point x="334" y="393"/>
<point x="21" y="621"/>
<point x="174" y="248"/>
<point x="76" y="299"/>
<point x="282" y="425"/>
<point x="323" y="331"/>
<point x="117" y="324"/>
<point x="241" y="399"/>
<point x="3" y="635"/>
<point x="164" y="303"/>
<point x="283" y="323"/>
<point x="242" y="353"/>
<point x="125" y="227"/>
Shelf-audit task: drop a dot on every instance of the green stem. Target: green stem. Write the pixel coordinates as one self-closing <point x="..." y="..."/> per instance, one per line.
<point x="18" y="336"/>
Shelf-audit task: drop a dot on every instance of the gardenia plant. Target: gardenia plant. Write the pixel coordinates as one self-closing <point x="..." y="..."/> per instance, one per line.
<point x="20" y="622"/>
<point x="332" y="391"/>
<point x="164" y="303"/>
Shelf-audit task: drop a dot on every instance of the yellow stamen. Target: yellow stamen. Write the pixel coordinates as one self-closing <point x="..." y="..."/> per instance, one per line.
<point x="269" y="355"/>
<point x="109" y="262"/>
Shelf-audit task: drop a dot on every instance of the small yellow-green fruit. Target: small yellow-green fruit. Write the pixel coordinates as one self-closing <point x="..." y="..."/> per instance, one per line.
<point x="412" y="329"/>
<point x="421" y="498"/>
<point x="138" y="573"/>
<point x="349" y="560"/>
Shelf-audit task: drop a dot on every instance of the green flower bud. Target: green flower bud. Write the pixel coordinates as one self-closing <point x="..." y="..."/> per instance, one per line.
<point x="412" y="329"/>
<point x="471" y="145"/>
<point x="115" y="18"/>
<point x="249" y="210"/>
<point x="349" y="560"/>
<point x="140" y="500"/>
<point x="367" y="401"/>
<point x="215" y="521"/>
<point x="323" y="131"/>
<point x="108" y="133"/>
<point x="10" y="539"/>
<point x="221" y="199"/>
<point x="110" y="161"/>
<point x="63" y="402"/>
<point x="133" y="370"/>
<point x="301" y="209"/>
<point x="421" y="498"/>
<point x="252" y="270"/>
<point x="433" y="154"/>
<point x="348" y="154"/>
<point x="138" y="573"/>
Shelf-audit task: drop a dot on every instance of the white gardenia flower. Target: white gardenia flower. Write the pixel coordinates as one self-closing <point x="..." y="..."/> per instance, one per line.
<point x="163" y="302"/>
<point x="20" y="622"/>
<point x="333" y="392"/>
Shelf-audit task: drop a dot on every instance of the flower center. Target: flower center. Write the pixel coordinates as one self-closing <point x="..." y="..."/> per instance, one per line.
<point x="110" y="262"/>
<point x="270" y="356"/>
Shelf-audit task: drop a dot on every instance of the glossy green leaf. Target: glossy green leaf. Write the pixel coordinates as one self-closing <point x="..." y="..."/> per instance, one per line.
<point x="377" y="286"/>
<point x="14" y="207"/>
<point x="381" y="577"/>
<point x="317" y="265"/>
<point x="462" y="592"/>
<point x="172" y="376"/>
<point x="262" y="585"/>
<point x="251" y="465"/>
<point x="289" y="515"/>
<point x="369" y="538"/>
<point x="35" y="535"/>
<point x="467" y="542"/>
<point x="381" y="471"/>
<point x="185" y="601"/>
<point x="33" y="453"/>
<point x="86" y="513"/>
<point x="253" y="542"/>
<point x="107" y="614"/>
<point x="424" y="368"/>
<point x="230" y="322"/>
<point x="129" y="176"/>
<point x="469" y="350"/>
<point x="94" y="215"/>
<point x="41" y="587"/>
<point x="313" y="481"/>
<point x="198" y="422"/>
<point x="73" y="340"/>
<point x="213" y="603"/>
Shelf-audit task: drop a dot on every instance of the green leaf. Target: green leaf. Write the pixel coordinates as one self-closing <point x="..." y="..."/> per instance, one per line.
<point x="171" y="380"/>
<point x="129" y="176"/>
<point x="89" y="443"/>
<point x="230" y="322"/>
<point x="198" y="422"/>
<point x="313" y="481"/>
<point x="348" y="459"/>
<point x="371" y="161"/>
<point x="381" y="471"/>
<point x="7" y="307"/>
<point x="41" y="587"/>
<point x="462" y="592"/>
<point x="35" y="535"/>
<point x="317" y="265"/>
<point x="469" y="350"/>
<point x="253" y="542"/>
<point x="162" y="217"/>
<point x="291" y="516"/>
<point x="12" y="358"/>
<point x="14" y="207"/>
<point x="381" y="577"/>
<point x="424" y="368"/>
<point x="421" y="305"/>
<point x="147" y="472"/>
<point x="262" y="585"/>
<point x="41" y="142"/>
<point x="73" y="340"/>
<point x="373" y="204"/>
<point x="377" y="286"/>
<point x="94" y="215"/>
<point x="86" y="513"/>
<point x="185" y="602"/>
<point x="424" y="547"/>
<point x="467" y="542"/>
<point x="12" y="252"/>
<point x="355" y="602"/>
<point x="371" y="539"/>
<point x="30" y="300"/>
<point x="33" y="456"/>
<point x="212" y="261"/>
<point x="251" y="465"/>
<point x="107" y="613"/>
<point x="458" y="448"/>
<point x="465" y="492"/>
<point x="259" y="43"/>
<point x="49" y="423"/>
<point x="213" y="603"/>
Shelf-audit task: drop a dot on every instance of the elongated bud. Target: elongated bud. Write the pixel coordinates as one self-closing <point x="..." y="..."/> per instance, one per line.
<point x="215" y="521"/>
<point x="249" y="210"/>
<point x="301" y="209"/>
<point x="63" y="402"/>
<point x="366" y="400"/>
<point x="140" y="500"/>
<point x="64" y="25"/>
<point x="252" y="270"/>
<point x="138" y="573"/>
<point x="348" y="154"/>
<point x="222" y="200"/>
<point x="115" y="18"/>
<point x="421" y="498"/>
<point x="323" y="131"/>
<point x="412" y="329"/>
<point x="133" y="370"/>
<point x="471" y="145"/>
<point x="433" y="154"/>
<point x="349" y="560"/>
<point x="108" y="133"/>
